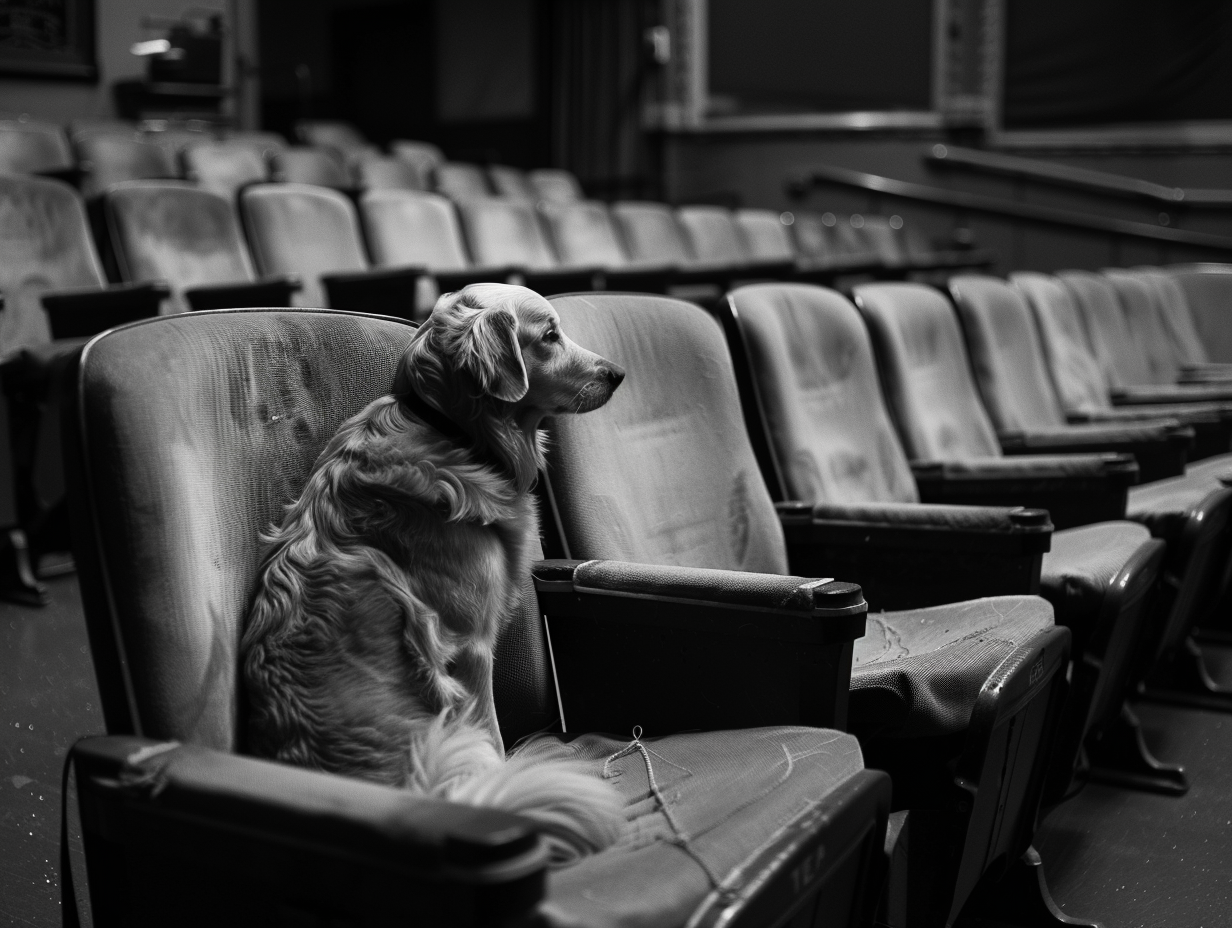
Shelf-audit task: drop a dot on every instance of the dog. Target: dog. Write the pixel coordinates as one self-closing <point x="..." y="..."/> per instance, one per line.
<point x="368" y="646"/>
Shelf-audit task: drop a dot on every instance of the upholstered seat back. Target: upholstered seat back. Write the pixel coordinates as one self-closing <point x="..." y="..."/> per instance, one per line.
<point x="303" y="230"/>
<point x="664" y="473"/>
<point x="812" y="363"/>
<point x="713" y="234"/>
<point x="767" y="236"/>
<point x="225" y="167"/>
<point x="173" y="231"/>
<point x="424" y="157"/>
<point x="651" y="233"/>
<point x="1006" y="354"/>
<point x="1146" y="326"/>
<point x="109" y="158"/>
<point x="554" y="185"/>
<point x="405" y="228"/>
<point x="503" y="232"/>
<point x="384" y="172"/>
<point x="1208" y="290"/>
<point x="883" y="240"/>
<point x="1122" y="362"/>
<point x="461" y="181"/>
<point x="26" y="147"/>
<point x="1076" y="374"/>
<point x="926" y="373"/>
<point x="511" y="182"/>
<point x="323" y="133"/>
<point x="584" y="235"/>
<point x="198" y="429"/>
<point x="1174" y="311"/>
<point x="318" y="167"/>
<point x="44" y="245"/>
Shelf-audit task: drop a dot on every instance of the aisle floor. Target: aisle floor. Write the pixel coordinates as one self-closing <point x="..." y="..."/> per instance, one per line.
<point x="1130" y="859"/>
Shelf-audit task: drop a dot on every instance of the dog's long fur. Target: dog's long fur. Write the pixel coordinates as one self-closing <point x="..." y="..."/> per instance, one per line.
<point x="368" y="647"/>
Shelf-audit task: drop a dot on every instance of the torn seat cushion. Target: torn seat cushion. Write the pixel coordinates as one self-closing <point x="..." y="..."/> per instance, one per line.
<point x="917" y="673"/>
<point x="729" y="795"/>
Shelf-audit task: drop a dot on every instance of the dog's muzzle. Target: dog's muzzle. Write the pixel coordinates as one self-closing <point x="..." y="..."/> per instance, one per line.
<point x="608" y="377"/>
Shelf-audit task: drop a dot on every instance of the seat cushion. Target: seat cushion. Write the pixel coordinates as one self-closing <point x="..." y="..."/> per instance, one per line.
<point x="917" y="672"/>
<point x="1165" y="506"/>
<point x="729" y="792"/>
<point x="1082" y="564"/>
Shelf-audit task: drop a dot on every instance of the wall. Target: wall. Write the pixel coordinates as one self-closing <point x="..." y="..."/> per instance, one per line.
<point x="118" y="27"/>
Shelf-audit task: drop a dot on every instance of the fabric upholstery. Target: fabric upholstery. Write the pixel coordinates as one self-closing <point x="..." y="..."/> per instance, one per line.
<point x="813" y="364"/>
<point x="1208" y="290"/>
<point x="553" y="185"/>
<point x="1076" y="372"/>
<point x="304" y="230"/>
<point x="324" y="133"/>
<point x="918" y="672"/>
<point x="406" y="228"/>
<point x="584" y="235"/>
<point x="45" y="245"/>
<point x="1146" y="326"/>
<point x="665" y="474"/>
<point x="651" y="233"/>
<point x="1006" y="355"/>
<point x="924" y="367"/>
<point x="503" y="232"/>
<point x="200" y="428"/>
<point x="730" y="793"/>
<point x="766" y="236"/>
<point x="1120" y="357"/>
<point x="813" y="237"/>
<point x="27" y="147"/>
<point x="511" y="182"/>
<point x="1166" y="506"/>
<point x="422" y="156"/>
<point x="225" y="167"/>
<point x="1176" y="315"/>
<point x="385" y="172"/>
<point x="883" y="240"/>
<point x="174" y="231"/>
<point x="1078" y="572"/>
<point x="713" y="234"/>
<point x="460" y="181"/>
<point x="315" y="166"/>
<point x="109" y="159"/>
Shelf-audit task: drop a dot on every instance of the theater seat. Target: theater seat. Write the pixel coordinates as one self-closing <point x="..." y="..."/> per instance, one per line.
<point x="460" y="181"/>
<point x="815" y="412"/>
<point x="189" y="238"/>
<point x="716" y="238"/>
<point x="225" y="167"/>
<point x="584" y="235"/>
<point x="422" y="156"/>
<point x="1208" y="291"/>
<point x="512" y="182"/>
<point x="665" y="474"/>
<point x="736" y="827"/>
<point x="502" y="232"/>
<point x="1171" y="304"/>
<point x="556" y="185"/>
<point x="32" y="147"/>
<point x="312" y="233"/>
<point x="319" y="167"/>
<point x="385" y="172"/>
<point x="932" y="395"/>
<point x="107" y="159"/>
<point x="828" y="244"/>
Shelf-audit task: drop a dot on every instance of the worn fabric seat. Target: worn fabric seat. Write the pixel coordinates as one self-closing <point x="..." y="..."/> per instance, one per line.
<point x="176" y="489"/>
<point x="318" y="167"/>
<point x="460" y="181"/>
<point x="109" y="158"/>
<point x="555" y="185"/>
<point x="224" y="167"/>
<point x="424" y="157"/>
<point x="32" y="147"/>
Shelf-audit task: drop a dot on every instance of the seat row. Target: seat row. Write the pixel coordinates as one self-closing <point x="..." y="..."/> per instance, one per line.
<point x="730" y="458"/>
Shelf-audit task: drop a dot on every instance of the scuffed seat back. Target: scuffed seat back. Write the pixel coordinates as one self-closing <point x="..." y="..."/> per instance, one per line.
<point x="107" y="159"/>
<point x="927" y="377"/>
<point x="302" y="230"/>
<point x="1006" y="354"/>
<point x="812" y="366"/>
<point x="408" y="229"/>
<point x="677" y="412"/>
<point x="505" y="233"/>
<point x="225" y="167"/>
<point x="173" y="231"/>
<point x="45" y="245"/>
<point x="30" y="147"/>
<point x="196" y="431"/>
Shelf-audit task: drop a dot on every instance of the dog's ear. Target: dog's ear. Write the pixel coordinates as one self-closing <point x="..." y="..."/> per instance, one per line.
<point x="491" y="353"/>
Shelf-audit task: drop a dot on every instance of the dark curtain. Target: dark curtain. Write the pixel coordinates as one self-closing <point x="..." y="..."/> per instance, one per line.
<point x="1090" y="62"/>
<point x="601" y="73"/>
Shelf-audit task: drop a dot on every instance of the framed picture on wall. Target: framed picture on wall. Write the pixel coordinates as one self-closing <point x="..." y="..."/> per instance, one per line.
<point x="48" y="38"/>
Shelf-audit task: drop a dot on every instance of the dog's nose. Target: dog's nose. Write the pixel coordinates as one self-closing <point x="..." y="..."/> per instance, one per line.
<point x="615" y="374"/>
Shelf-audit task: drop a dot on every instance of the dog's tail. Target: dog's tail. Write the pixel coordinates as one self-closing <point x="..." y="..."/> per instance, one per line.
<point x="577" y="811"/>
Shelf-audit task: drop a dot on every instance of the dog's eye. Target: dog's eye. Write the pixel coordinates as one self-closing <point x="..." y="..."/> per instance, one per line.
<point x="551" y="335"/>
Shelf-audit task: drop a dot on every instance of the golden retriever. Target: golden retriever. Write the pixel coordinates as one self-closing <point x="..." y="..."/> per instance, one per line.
<point x="368" y="647"/>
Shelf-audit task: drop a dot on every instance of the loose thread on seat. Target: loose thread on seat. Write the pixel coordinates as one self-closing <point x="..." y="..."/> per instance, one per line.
<point x="681" y="839"/>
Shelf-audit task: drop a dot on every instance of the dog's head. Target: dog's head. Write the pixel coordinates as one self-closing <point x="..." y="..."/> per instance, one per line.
<point x="502" y="345"/>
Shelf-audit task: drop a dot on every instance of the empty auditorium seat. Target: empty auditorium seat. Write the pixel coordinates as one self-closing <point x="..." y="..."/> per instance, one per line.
<point x="175" y="140"/>
<point x="777" y="825"/>
<point x="385" y="172"/>
<point x="555" y="185"/>
<point x="225" y="167"/>
<point x="316" y="166"/>
<point x="253" y="138"/>
<point x="652" y="234"/>
<point x="55" y="295"/>
<point x="817" y="419"/>
<point x="1208" y="291"/>
<point x="511" y="182"/>
<point x="664" y="473"/>
<point x="30" y="147"/>
<point x="828" y="243"/>
<point x="313" y="234"/>
<point x="341" y="137"/>
<point x="1188" y="347"/>
<point x="409" y="229"/>
<point x="716" y="239"/>
<point x="937" y="409"/>
<point x="461" y="181"/>
<point x="107" y="159"/>
<point x="501" y="232"/>
<point x="190" y="238"/>
<point x="422" y="156"/>
<point x="585" y="236"/>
